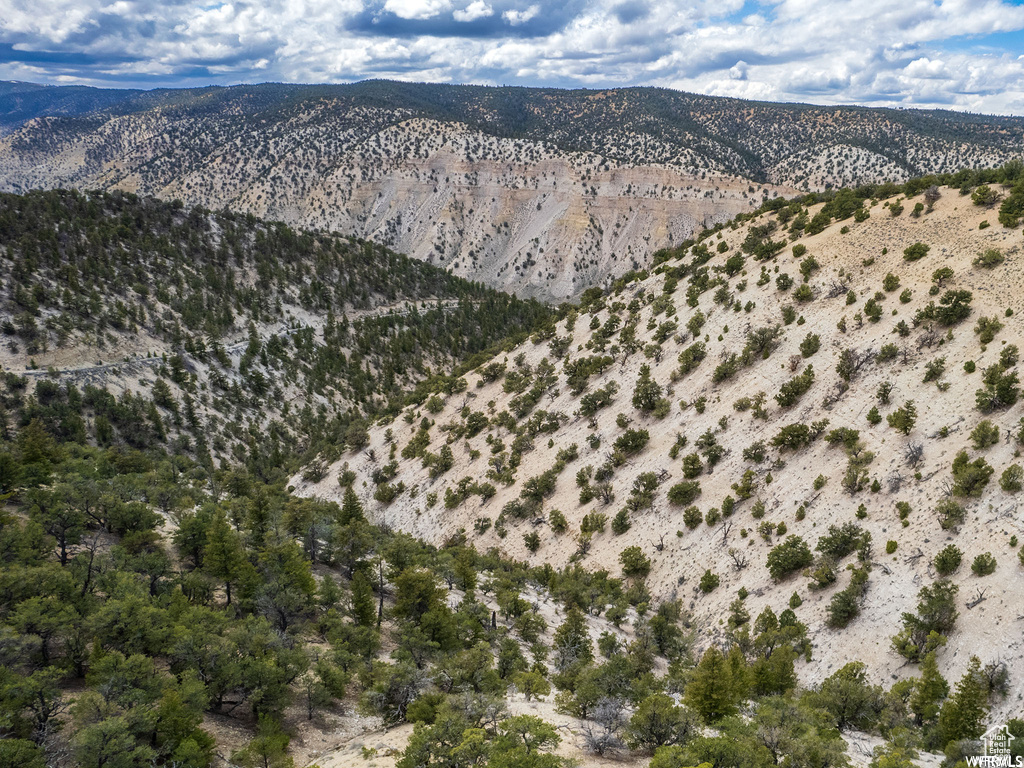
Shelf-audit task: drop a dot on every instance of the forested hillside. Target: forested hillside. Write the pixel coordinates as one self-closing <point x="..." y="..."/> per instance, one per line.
<point x="164" y="600"/>
<point x="801" y="432"/>
<point x="141" y="322"/>
<point x="278" y="498"/>
<point x="542" y="192"/>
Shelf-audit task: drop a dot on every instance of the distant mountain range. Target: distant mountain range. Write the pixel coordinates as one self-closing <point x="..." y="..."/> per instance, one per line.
<point x="540" y="191"/>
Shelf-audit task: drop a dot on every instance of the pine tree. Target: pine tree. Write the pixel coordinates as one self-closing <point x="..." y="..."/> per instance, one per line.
<point x="351" y="508"/>
<point x="929" y="691"/>
<point x="223" y="558"/>
<point x="364" y="611"/>
<point x="573" y="649"/>
<point x="963" y="714"/>
<point x="710" y="692"/>
<point x="647" y="392"/>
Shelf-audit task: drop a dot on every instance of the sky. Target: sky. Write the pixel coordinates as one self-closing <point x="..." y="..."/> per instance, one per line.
<point x="966" y="55"/>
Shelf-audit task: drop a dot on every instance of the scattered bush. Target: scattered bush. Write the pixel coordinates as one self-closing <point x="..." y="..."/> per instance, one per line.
<point x="991" y="258"/>
<point x="984" y="434"/>
<point x="684" y="493"/>
<point x="950" y="513"/>
<point x="983" y="564"/>
<point x="936" y="617"/>
<point x="1012" y="478"/>
<point x="948" y="560"/>
<point x="903" y="418"/>
<point x="970" y="477"/>
<point x="987" y="328"/>
<point x="810" y="344"/>
<point x="915" y="252"/>
<point x="635" y="564"/>
<point x="788" y="557"/>
<point x="709" y="581"/>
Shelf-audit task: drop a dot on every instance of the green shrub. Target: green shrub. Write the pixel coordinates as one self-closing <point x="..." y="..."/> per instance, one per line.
<point x="903" y="419"/>
<point x="841" y="540"/>
<point x="934" y="369"/>
<point x="983" y="564"/>
<point x="647" y="392"/>
<point x="791" y="391"/>
<point x="970" y="477"/>
<point x="635" y="564"/>
<point x="788" y="557"/>
<point x="594" y="522"/>
<point x="915" y="252"/>
<point x="950" y="514"/>
<point x="684" y="493"/>
<point x="808" y="267"/>
<point x="692" y="517"/>
<point x="810" y="344"/>
<point x="1012" y="478"/>
<point x="991" y="258"/>
<point x="844" y="606"/>
<point x="984" y="196"/>
<point x="557" y="521"/>
<point x="984" y="435"/>
<point x="890" y="547"/>
<point x="792" y="437"/>
<point x="803" y="294"/>
<point x="632" y="441"/>
<point x="621" y="522"/>
<point x="728" y="506"/>
<point x="987" y="328"/>
<point x="692" y="466"/>
<point x="948" y="560"/>
<point x="709" y="581"/>
<point x="936" y="617"/>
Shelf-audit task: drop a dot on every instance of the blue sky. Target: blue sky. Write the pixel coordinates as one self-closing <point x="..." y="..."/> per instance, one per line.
<point x="959" y="54"/>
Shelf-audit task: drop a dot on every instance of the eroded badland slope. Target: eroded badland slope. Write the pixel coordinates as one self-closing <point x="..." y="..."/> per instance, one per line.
<point x="700" y="464"/>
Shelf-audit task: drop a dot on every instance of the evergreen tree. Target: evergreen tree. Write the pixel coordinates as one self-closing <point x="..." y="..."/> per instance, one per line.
<point x="929" y="691"/>
<point x="963" y="715"/>
<point x="710" y="692"/>
<point x="573" y="649"/>
<point x="224" y="557"/>
<point x="364" y="611"/>
<point x="647" y="393"/>
<point x="351" y="508"/>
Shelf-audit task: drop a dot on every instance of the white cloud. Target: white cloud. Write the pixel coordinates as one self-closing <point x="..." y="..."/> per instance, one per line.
<point x="515" y="18"/>
<point x="917" y="52"/>
<point x="417" y="9"/>
<point x="926" y="68"/>
<point x="478" y="9"/>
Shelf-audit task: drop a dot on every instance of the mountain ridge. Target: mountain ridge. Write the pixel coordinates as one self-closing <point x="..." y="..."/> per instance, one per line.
<point x="542" y="192"/>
